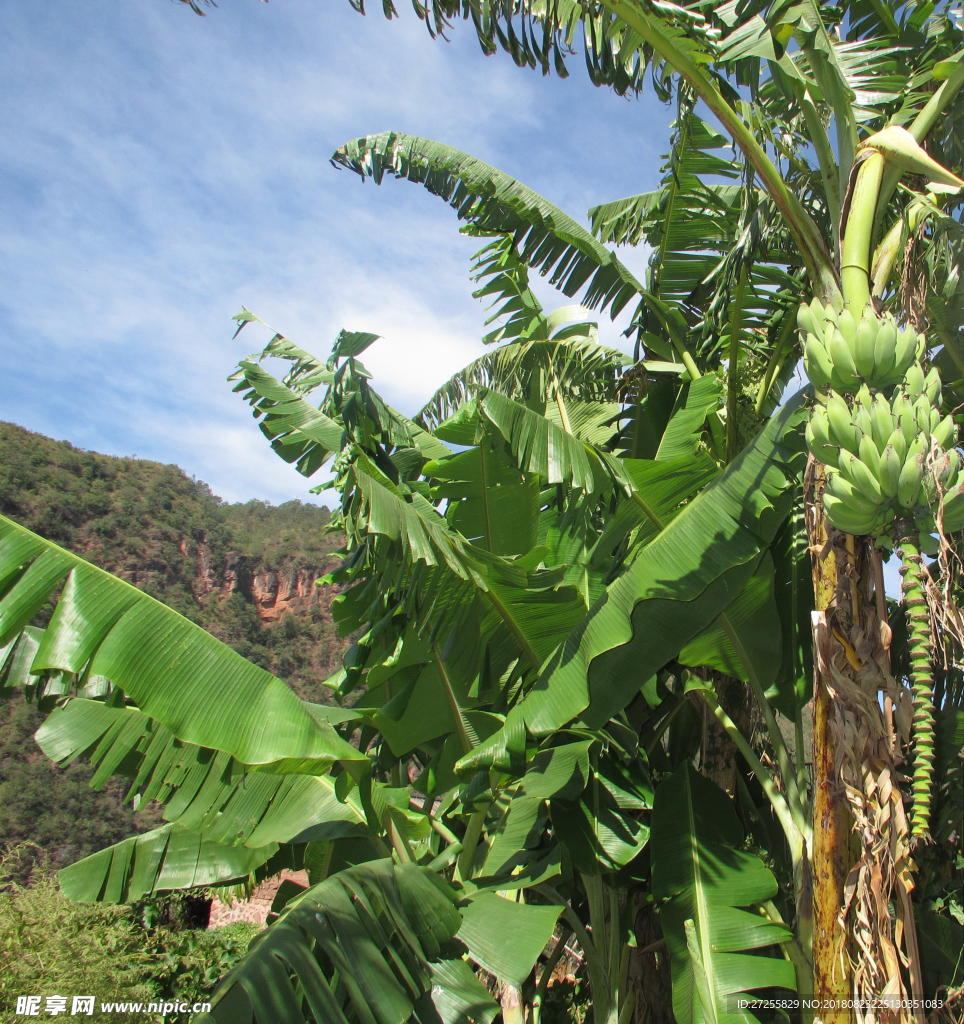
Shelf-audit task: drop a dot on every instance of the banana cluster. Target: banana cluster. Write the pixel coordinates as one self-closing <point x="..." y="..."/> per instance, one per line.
<point x="843" y="353"/>
<point x="886" y="458"/>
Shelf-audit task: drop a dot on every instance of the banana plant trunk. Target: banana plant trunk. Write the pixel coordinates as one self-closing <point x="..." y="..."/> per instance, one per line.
<point x="830" y="860"/>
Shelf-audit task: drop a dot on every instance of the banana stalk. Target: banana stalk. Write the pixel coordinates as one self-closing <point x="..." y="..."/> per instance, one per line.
<point x="920" y="644"/>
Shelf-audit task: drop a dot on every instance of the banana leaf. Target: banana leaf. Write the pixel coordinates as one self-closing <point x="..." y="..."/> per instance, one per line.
<point x="201" y="789"/>
<point x="705" y="880"/>
<point x="374" y="943"/>
<point x="175" y="671"/>
<point x="358" y="945"/>
<point x="675" y="586"/>
<point x="169" y="857"/>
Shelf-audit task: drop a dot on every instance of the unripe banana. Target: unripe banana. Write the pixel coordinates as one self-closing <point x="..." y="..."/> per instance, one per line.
<point x="863" y="420"/>
<point x="822" y="451"/>
<point x="914" y="381"/>
<point x="884" y="345"/>
<point x="945" y="433"/>
<point x="924" y="519"/>
<point x="952" y="509"/>
<point x="864" y="397"/>
<point x="869" y="456"/>
<point x="845" y="518"/>
<point x="933" y="420"/>
<point x="843" y="359"/>
<point x="838" y="487"/>
<point x="922" y="414"/>
<point x="861" y="477"/>
<point x="847" y="326"/>
<point x="882" y="421"/>
<point x="907" y="424"/>
<point x="899" y="443"/>
<point x="932" y="385"/>
<point x="905" y="349"/>
<point x="843" y="432"/>
<point x="890" y="467"/>
<point x="909" y="483"/>
<point x="818" y="313"/>
<point x="817" y="363"/>
<point x="929" y="492"/>
<point x="820" y="423"/>
<point x="806" y="321"/>
<point x="865" y="349"/>
<point x="948" y="468"/>
<point x="921" y="444"/>
<point x="842" y="385"/>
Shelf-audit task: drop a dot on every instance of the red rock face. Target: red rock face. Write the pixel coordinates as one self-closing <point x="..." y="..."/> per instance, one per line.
<point x="273" y="592"/>
<point x="292" y="590"/>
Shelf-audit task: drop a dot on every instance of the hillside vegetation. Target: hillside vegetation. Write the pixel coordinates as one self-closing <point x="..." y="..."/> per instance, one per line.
<point x="245" y="572"/>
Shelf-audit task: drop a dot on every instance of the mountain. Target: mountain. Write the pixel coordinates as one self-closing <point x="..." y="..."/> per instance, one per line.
<point x="245" y="572"/>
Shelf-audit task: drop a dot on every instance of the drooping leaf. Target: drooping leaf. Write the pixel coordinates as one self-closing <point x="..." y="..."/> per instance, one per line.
<point x="495" y="203"/>
<point x="683" y="431"/>
<point x="659" y="489"/>
<point x="506" y="937"/>
<point x="539" y="445"/>
<point x="169" y="857"/>
<point x="527" y="609"/>
<point x="753" y="622"/>
<point x="359" y="946"/>
<point x="16" y="658"/>
<point x="459" y="996"/>
<point x="201" y="789"/>
<point x="602" y="828"/>
<point x="676" y="586"/>
<point x="563" y="769"/>
<point x="175" y="671"/>
<point x="298" y="432"/>
<point x="489" y="501"/>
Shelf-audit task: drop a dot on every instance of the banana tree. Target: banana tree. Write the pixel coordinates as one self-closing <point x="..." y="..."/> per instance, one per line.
<point x="885" y="78"/>
<point x="575" y="575"/>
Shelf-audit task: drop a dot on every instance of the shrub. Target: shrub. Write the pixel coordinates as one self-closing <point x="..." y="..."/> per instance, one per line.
<point x="50" y="945"/>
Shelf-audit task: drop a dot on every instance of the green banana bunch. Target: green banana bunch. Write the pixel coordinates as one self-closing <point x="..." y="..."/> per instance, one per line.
<point x="887" y="457"/>
<point x="842" y="353"/>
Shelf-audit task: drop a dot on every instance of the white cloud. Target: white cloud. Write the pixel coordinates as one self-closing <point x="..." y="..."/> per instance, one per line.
<point x="159" y="170"/>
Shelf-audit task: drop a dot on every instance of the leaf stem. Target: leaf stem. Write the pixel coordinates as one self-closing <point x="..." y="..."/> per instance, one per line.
<point x="548" y="968"/>
<point x="677" y="340"/>
<point x="802" y="967"/>
<point x="736" y="329"/>
<point x="829" y="170"/>
<point x="814" y="252"/>
<point x="470" y="842"/>
<point x="791" y="827"/>
<point x="777" y="358"/>
<point x="773" y="730"/>
<point x="597" y="967"/>
<point x="461" y="726"/>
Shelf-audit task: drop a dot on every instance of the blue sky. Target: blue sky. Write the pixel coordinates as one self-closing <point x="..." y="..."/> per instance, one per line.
<point x="159" y="170"/>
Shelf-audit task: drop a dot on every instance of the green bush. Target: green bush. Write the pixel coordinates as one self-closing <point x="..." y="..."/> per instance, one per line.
<point x="50" y="945"/>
